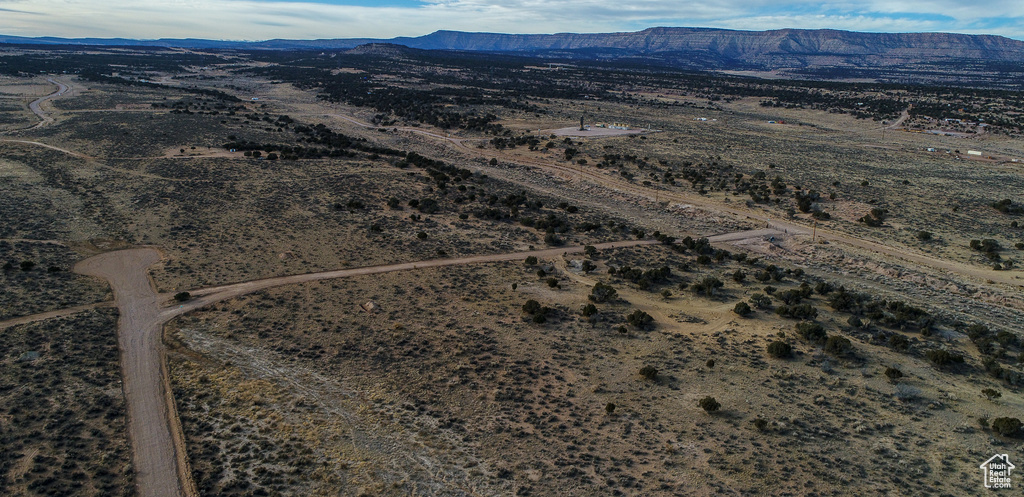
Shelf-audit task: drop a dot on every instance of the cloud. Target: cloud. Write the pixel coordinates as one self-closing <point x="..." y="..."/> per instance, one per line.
<point x="304" y="19"/>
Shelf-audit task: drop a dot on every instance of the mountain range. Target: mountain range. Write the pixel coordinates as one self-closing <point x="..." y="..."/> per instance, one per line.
<point x="699" y="48"/>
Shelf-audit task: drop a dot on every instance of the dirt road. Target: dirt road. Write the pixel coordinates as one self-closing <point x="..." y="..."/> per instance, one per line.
<point x="34" y="106"/>
<point x="143" y="368"/>
<point x="158" y="447"/>
<point x="207" y="296"/>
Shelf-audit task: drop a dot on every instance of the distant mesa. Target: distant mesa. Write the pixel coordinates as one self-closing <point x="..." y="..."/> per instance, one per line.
<point x="380" y="49"/>
<point x="676" y="46"/>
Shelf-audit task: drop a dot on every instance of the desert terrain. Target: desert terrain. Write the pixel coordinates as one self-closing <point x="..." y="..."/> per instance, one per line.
<point x="384" y="273"/>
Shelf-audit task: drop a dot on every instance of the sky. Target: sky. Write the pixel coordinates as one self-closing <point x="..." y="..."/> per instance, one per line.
<point x="311" y="19"/>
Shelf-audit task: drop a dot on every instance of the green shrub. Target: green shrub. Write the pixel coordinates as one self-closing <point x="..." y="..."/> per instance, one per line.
<point x="742" y="308"/>
<point x="799" y="311"/>
<point x="941" y="357"/>
<point x="707" y="286"/>
<point x="649" y="372"/>
<point x="1007" y="427"/>
<point x="602" y="293"/>
<point x="182" y="296"/>
<point x="709" y="404"/>
<point x="780" y="350"/>
<point x="809" y="330"/>
<point x="761" y="301"/>
<point x="991" y="393"/>
<point x="899" y="342"/>
<point x="838" y="346"/>
<point x="639" y="319"/>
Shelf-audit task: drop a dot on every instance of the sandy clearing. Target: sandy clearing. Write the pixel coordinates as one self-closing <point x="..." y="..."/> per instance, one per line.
<point x="592" y="132"/>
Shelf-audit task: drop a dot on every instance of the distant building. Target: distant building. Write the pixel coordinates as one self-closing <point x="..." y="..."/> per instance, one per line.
<point x="973" y="152"/>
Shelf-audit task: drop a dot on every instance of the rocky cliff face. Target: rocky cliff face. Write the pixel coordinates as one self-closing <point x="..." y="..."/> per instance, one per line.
<point x="700" y="48"/>
<point x="762" y="48"/>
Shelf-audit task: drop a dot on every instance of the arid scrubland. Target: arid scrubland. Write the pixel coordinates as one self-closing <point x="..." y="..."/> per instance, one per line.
<point x="765" y="364"/>
<point x="454" y="369"/>
<point x="62" y="424"/>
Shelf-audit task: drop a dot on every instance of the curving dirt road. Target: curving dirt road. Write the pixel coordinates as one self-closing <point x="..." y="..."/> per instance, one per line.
<point x="34" y="106"/>
<point x="161" y="463"/>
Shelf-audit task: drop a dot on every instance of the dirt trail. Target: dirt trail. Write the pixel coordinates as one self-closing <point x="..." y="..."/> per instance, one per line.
<point x="34" y="106"/>
<point x="51" y="147"/>
<point x="158" y="447"/>
<point x="207" y="296"/>
<point x="52" y="314"/>
<point x="902" y="119"/>
<point x="30" y="240"/>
